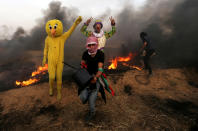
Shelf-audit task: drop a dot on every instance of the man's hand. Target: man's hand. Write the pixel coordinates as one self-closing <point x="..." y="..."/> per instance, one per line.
<point x="44" y="62"/>
<point x="142" y="48"/>
<point x="112" y="20"/>
<point x="83" y="64"/>
<point x="88" y="21"/>
<point x="78" y="20"/>
<point x="94" y="80"/>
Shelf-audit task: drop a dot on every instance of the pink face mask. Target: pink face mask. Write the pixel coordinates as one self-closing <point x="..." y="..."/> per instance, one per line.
<point x="92" y="45"/>
<point x="92" y="49"/>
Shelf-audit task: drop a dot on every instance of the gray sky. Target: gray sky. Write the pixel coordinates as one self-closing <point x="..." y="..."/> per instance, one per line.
<point x="24" y="13"/>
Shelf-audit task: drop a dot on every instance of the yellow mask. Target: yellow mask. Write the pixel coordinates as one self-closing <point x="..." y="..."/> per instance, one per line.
<point x="54" y="28"/>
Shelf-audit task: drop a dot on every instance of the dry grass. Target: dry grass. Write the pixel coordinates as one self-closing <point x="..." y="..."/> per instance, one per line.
<point x="165" y="101"/>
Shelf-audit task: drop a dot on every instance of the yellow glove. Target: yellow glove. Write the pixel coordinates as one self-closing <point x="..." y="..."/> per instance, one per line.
<point x="44" y="62"/>
<point x="78" y="20"/>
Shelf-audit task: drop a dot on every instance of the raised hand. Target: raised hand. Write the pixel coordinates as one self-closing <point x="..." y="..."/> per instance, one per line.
<point x="78" y="20"/>
<point x="88" y="21"/>
<point x="112" y="20"/>
<point x="44" y="62"/>
<point x="94" y="80"/>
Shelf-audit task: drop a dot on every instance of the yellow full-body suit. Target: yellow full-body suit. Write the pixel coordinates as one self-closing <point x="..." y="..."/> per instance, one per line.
<point x="54" y="51"/>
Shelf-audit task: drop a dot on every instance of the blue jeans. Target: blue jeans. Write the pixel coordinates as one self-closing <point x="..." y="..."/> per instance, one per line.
<point x="90" y="95"/>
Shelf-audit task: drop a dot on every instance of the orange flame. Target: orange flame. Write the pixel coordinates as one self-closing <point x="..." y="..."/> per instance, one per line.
<point x="125" y="59"/>
<point x="40" y="70"/>
<point x="119" y="59"/>
<point x="28" y="82"/>
<point x="113" y="64"/>
<point x="115" y="61"/>
<point x="136" y="67"/>
<point x="133" y="66"/>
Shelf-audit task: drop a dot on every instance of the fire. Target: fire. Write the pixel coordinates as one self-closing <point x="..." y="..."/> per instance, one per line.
<point x="114" y="62"/>
<point x="132" y="66"/>
<point x="125" y="59"/>
<point x="136" y="67"/>
<point x="18" y="83"/>
<point x="40" y="70"/>
<point x="28" y="82"/>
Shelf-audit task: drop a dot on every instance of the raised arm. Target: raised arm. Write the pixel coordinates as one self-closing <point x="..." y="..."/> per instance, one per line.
<point x="84" y="28"/>
<point x="72" y="28"/>
<point x="113" y="30"/>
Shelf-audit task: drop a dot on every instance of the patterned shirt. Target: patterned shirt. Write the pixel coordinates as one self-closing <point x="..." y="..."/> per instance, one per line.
<point x="89" y="33"/>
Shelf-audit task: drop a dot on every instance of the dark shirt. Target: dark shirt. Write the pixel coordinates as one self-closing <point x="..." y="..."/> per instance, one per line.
<point x="147" y="39"/>
<point x="92" y="62"/>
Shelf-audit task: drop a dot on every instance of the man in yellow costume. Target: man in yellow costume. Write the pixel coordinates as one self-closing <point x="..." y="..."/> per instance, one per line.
<point x="54" y="51"/>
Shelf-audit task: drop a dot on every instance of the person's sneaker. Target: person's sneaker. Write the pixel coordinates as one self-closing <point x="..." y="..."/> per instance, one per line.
<point x="90" y="116"/>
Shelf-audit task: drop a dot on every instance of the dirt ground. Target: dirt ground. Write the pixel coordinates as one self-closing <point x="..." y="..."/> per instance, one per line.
<point x="167" y="101"/>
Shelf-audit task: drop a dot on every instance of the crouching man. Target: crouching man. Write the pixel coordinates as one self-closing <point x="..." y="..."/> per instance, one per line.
<point x="93" y="60"/>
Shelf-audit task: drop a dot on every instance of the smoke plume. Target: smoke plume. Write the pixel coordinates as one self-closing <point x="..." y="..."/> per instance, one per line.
<point x="22" y="41"/>
<point x="171" y="25"/>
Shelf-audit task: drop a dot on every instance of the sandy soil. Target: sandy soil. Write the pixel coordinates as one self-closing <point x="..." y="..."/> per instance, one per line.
<point x="165" y="101"/>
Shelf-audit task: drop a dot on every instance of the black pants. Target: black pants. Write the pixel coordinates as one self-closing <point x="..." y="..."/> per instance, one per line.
<point x="147" y="60"/>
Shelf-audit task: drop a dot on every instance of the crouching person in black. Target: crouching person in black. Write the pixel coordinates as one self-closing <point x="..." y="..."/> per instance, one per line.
<point x="93" y="60"/>
<point x="147" y="50"/>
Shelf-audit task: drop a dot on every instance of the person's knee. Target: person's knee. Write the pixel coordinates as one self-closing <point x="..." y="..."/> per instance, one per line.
<point x="92" y="102"/>
<point x="59" y="83"/>
<point x="52" y="76"/>
<point x="83" y="96"/>
<point x="93" y="97"/>
<point x="59" y="76"/>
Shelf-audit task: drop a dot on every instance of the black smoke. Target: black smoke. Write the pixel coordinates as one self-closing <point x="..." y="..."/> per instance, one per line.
<point x="171" y="25"/>
<point x="21" y="41"/>
<point x="16" y="57"/>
